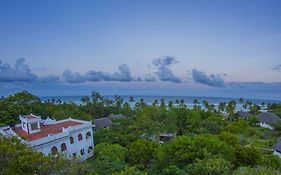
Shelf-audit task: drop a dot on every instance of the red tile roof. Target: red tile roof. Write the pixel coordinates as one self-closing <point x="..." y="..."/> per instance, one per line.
<point x="45" y="130"/>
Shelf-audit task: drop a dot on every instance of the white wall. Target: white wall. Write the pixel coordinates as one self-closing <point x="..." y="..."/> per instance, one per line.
<point x="71" y="148"/>
<point x="264" y="125"/>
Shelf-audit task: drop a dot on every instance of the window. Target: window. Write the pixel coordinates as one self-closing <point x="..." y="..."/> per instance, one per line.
<point x="63" y="147"/>
<point x="80" y="137"/>
<point x="82" y="152"/>
<point x="54" y="150"/>
<point x="34" y="126"/>
<point x="88" y="135"/>
<point x="90" y="149"/>
<point x="71" y="140"/>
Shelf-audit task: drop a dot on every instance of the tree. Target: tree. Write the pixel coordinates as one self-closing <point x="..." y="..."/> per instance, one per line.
<point x="247" y="156"/>
<point x="17" y="158"/>
<point x="222" y="106"/>
<point x="142" y="151"/>
<point x="184" y="150"/>
<point x="210" y="166"/>
<point x="230" y="109"/>
<point x="130" y="171"/>
<point x="255" y="171"/>
<point x="109" y="158"/>
<point x="254" y="109"/>
<point x="85" y="100"/>
<point x="154" y="120"/>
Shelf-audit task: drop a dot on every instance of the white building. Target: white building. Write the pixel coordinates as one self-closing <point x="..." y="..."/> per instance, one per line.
<point x="71" y="137"/>
<point x="267" y="119"/>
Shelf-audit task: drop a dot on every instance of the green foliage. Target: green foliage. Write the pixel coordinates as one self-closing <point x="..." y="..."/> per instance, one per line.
<point x="184" y="150"/>
<point x="109" y="158"/>
<point x="210" y="166"/>
<point x="142" y="151"/>
<point x="153" y="121"/>
<point x="247" y="156"/>
<point x="256" y="171"/>
<point x="173" y="170"/>
<point x="130" y="171"/>
<point x="272" y="161"/>
<point x="229" y="138"/>
<point x="16" y="158"/>
<point x="210" y="141"/>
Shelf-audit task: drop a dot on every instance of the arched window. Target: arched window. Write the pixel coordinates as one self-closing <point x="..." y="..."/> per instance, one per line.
<point x="71" y="140"/>
<point x="90" y="149"/>
<point x="88" y="135"/>
<point x="63" y="147"/>
<point x="54" y="150"/>
<point x="82" y="152"/>
<point x="80" y="137"/>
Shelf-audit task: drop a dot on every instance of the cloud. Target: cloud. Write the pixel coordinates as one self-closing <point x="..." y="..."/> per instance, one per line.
<point x="255" y="85"/>
<point x="149" y="78"/>
<point x="164" y="73"/>
<point x="73" y="77"/>
<point x="211" y="80"/>
<point x="20" y="72"/>
<point x="277" y="67"/>
<point x="123" y="75"/>
<point x="49" y="79"/>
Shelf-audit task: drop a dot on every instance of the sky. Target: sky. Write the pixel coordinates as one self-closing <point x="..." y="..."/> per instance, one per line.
<point x="222" y="48"/>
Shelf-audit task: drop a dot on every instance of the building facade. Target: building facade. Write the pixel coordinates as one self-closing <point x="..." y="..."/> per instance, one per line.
<point x="70" y="137"/>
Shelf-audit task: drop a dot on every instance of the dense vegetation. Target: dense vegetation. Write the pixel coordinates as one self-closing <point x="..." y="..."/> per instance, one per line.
<point x="210" y="141"/>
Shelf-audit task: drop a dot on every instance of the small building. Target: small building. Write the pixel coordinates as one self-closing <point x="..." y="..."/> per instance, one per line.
<point x="277" y="149"/>
<point x="165" y="138"/>
<point x="70" y="137"/>
<point x="243" y="115"/>
<point x="106" y="122"/>
<point x="102" y="123"/>
<point x="267" y="119"/>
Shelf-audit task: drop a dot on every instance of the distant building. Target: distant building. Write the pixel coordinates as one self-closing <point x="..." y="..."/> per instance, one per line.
<point x="267" y="119"/>
<point x="105" y="122"/>
<point x="70" y="136"/>
<point x="102" y="123"/>
<point x="277" y="149"/>
<point x="165" y="138"/>
<point x="243" y="115"/>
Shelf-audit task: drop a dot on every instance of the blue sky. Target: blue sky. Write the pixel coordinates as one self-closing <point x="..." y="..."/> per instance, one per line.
<point x="160" y="47"/>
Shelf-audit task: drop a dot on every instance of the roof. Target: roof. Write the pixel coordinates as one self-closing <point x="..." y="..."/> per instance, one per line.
<point x="45" y="130"/>
<point x="267" y="117"/>
<point x="103" y="122"/>
<point x="243" y="114"/>
<point x="277" y="147"/>
<point x="116" y="116"/>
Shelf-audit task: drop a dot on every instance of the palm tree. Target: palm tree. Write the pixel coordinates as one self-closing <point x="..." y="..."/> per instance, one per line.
<point x="170" y="104"/>
<point x="196" y="104"/>
<point x="222" y="106"/>
<point x="132" y="101"/>
<point x="230" y="109"/>
<point x="177" y="102"/>
<point x="155" y="102"/>
<point x="162" y="103"/>
<point x="206" y="104"/>
<point x="85" y="100"/>
<point x="182" y="103"/>
<point x="241" y="100"/>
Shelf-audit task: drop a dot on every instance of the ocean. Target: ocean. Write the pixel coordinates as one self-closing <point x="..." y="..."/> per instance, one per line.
<point x="150" y="99"/>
